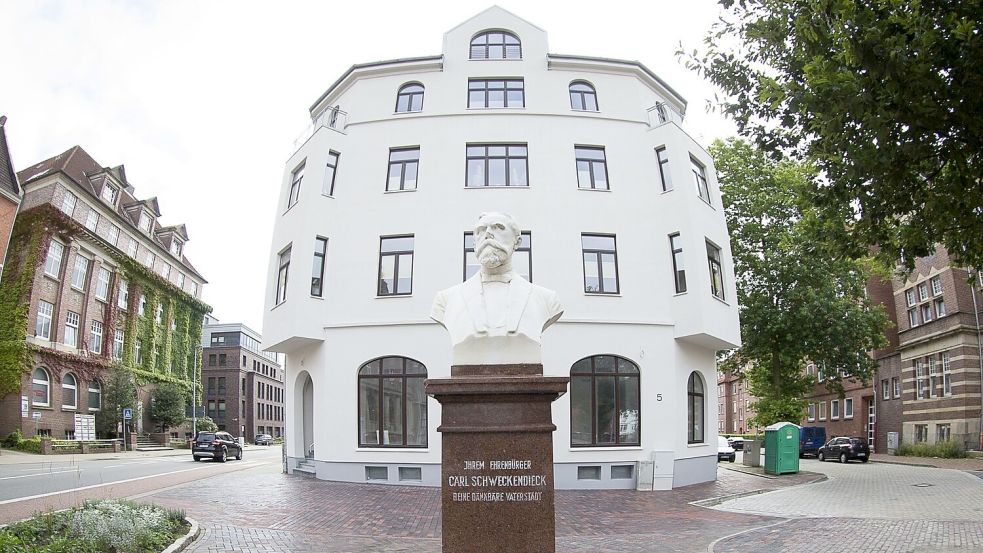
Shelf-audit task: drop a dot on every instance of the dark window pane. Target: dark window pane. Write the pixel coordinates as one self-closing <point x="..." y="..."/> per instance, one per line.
<point x="604" y="364"/>
<point x="416" y="412"/>
<point x="398" y="243"/>
<point x="368" y="421"/>
<point x="628" y="397"/>
<point x="580" y="411"/>
<point x="607" y="420"/>
<point x="392" y="404"/>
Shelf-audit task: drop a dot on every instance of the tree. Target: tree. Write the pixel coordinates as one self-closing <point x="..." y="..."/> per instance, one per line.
<point x="167" y="405"/>
<point x="799" y="300"/>
<point x="206" y="424"/>
<point x="118" y="392"/>
<point x="884" y="97"/>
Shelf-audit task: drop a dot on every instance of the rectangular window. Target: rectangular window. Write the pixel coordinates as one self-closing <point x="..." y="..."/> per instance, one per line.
<point x="716" y="271"/>
<point x="822" y="410"/>
<point x="909" y="296"/>
<point x="165" y="271"/>
<point x="926" y="313"/>
<point x="52" y="263"/>
<point x="498" y="93"/>
<point x="145" y="222"/>
<point x="91" y="220"/>
<point x="95" y="341"/>
<point x="138" y="351"/>
<point x="403" y="166"/>
<point x="295" y="179"/>
<point x="330" y="169"/>
<point x="922" y="292"/>
<point x="79" y="272"/>
<point x="812" y="412"/>
<point x="678" y="269"/>
<point x="895" y="387"/>
<point x="395" y="265"/>
<point x="600" y="263"/>
<point x="936" y="286"/>
<point x="143" y="305"/>
<point x="119" y="336"/>
<point x="180" y="281"/>
<point x="943" y="432"/>
<point x="150" y="260"/>
<point x="131" y="248"/>
<point x="68" y="203"/>
<point x="665" y="177"/>
<point x="71" y="329"/>
<point x="885" y="389"/>
<point x="933" y="378"/>
<point x="946" y="374"/>
<point x="159" y="314"/>
<point x="919" y="380"/>
<point x="102" y="284"/>
<point x="222" y="358"/>
<point x="212" y="359"/>
<point x="834" y="409"/>
<point x="113" y="235"/>
<point x="42" y="328"/>
<point x="939" y="308"/>
<point x="211" y="408"/>
<point x="221" y="385"/>
<point x="848" y="408"/>
<point x="700" y="178"/>
<point x="281" y="277"/>
<point x="123" y="295"/>
<point x="921" y="433"/>
<point x="912" y="318"/>
<point x="521" y="259"/>
<point x="497" y="165"/>
<point x="592" y="169"/>
<point x="317" y="268"/>
<point x="176" y="248"/>
<point x="109" y="193"/>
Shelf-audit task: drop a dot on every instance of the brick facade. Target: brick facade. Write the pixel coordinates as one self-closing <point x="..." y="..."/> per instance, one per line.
<point x="734" y="404"/>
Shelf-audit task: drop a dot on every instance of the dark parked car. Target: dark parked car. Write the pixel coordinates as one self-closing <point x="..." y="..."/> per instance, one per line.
<point x="811" y="438"/>
<point x="217" y="445"/>
<point x="845" y="449"/>
<point x="263" y="439"/>
<point x="736" y="442"/>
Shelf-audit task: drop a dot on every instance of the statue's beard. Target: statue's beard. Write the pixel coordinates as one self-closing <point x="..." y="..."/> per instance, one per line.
<point x="491" y="254"/>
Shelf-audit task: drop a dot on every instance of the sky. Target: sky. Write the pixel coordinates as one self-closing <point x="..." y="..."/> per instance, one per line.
<point x="203" y="101"/>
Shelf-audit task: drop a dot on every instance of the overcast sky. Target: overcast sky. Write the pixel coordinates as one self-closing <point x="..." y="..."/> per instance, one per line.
<point x="202" y="101"/>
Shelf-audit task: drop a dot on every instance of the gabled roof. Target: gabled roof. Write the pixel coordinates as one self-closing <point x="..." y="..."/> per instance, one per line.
<point x="496" y="9"/>
<point x="149" y="203"/>
<point x="8" y="178"/>
<point x="180" y="230"/>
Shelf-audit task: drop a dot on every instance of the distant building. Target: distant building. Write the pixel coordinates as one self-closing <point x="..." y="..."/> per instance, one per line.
<point x="242" y="384"/>
<point x="851" y="415"/>
<point x="103" y="286"/>
<point x="10" y="193"/>
<point x="734" y="407"/>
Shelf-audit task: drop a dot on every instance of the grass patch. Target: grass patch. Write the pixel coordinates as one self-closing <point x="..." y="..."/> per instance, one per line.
<point x="109" y="525"/>
<point x="943" y="450"/>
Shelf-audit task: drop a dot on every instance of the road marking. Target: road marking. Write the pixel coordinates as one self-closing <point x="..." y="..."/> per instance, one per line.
<point x="38" y="474"/>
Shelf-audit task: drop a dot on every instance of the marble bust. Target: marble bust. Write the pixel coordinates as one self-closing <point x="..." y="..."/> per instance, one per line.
<point x="496" y="316"/>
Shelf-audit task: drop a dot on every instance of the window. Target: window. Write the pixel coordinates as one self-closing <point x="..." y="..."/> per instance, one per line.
<point x="716" y="271"/>
<point x="212" y="359"/>
<point x="812" y="412"/>
<point x="145" y="221"/>
<point x="921" y="433"/>
<point x="919" y="380"/>
<point x="41" y="388"/>
<point x="605" y="402"/>
<point x="131" y="248"/>
<point x="392" y="405"/>
<point x="123" y="295"/>
<point x="113" y="235"/>
<point x="912" y="317"/>
<point x="109" y="193"/>
<point x="95" y="338"/>
<point x="180" y="281"/>
<point x="143" y="305"/>
<point x="138" y="351"/>
<point x="909" y="295"/>
<point x="943" y="432"/>
<point x="68" y="202"/>
<point x="926" y="313"/>
<point x="665" y="176"/>
<point x="281" y="277"/>
<point x="922" y="292"/>
<point x="933" y="378"/>
<point x="295" y="179"/>
<point x="165" y="271"/>
<point x="91" y="220"/>
<point x="409" y="98"/>
<point x="946" y="374"/>
<point x="521" y="259"/>
<point x="822" y="410"/>
<point x="317" y="268"/>
<point x="119" y="336"/>
<point x="936" y="286"/>
<point x="678" y="269"/>
<point x="52" y="263"/>
<point x="221" y="385"/>
<point x="939" y="308"/>
<point x="79" y="272"/>
<point x="222" y="359"/>
<point x="176" y="248"/>
<point x="42" y="327"/>
<point x="211" y="408"/>
<point x="403" y="166"/>
<point x="495" y="45"/>
<point x="159" y="313"/>
<point x="694" y="409"/>
<point x="497" y="165"/>
<point x="885" y="389"/>
<point x="327" y="187"/>
<point x="848" y="408"/>
<point x="583" y="97"/>
<point x="600" y="264"/>
<point x="592" y="169"/>
<point x="69" y="392"/>
<point x="71" y="329"/>
<point x="150" y="260"/>
<point x="95" y="396"/>
<point x="102" y="284"/>
<point x="700" y="177"/>
<point x="395" y="265"/>
<point x="496" y="93"/>
<point x="895" y="387"/>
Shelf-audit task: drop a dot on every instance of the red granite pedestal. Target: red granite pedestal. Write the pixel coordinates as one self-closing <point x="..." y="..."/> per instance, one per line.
<point x="497" y="458"/>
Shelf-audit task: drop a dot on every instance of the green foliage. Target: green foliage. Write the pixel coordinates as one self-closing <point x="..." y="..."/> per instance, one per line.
<point x="167" y="404"/>
<point x="206" y="424"/>
<point x="799" y="300"/>
<point x="119" y="391"/>
<point x="944" y="450"/>
<point x="15" y="440"/>
<point x="882" y="96"/>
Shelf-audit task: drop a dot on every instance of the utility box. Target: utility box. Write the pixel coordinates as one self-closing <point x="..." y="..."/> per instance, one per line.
<point x="782" y="447"/>
<point x="752" y="453"/>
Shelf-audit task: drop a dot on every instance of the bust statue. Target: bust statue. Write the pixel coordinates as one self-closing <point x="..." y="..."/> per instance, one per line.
<point x="496" y="316"/>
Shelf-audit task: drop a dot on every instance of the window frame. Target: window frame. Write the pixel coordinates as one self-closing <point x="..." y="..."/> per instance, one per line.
<point x="102" y="285"/>
<point x="97" y="390"/>
<point x="317" y="289"/>
<point x="96" y="331"/>
<point x="600" y="263"/>
<point x="74" y="392"/>
<point x="487" y="158"/>
<point x="35" y="381"/>
<point x="632" y="373"/>
<point x="282" y="275"/>
<point x="52" y="268"/>
<point x="488" y="45"/>
<point x="486" y="91"/>
<point x="80" y="273"/>
<point x="396" y="254"/>
<point x="691" y="409"/>
<point x="665" y="176"/>
<point x="582" y="96"/>
<point x="296" y="179"/>
<point x="946" y="374"/>
<point x="69" y="198"/>
<point x="678" y="274"/>
<point x="847" y="408"/>
<point x="403" y="165"/>
<point x="92" y="219"/>
<point x="699" y="171"/>
<point x="330" y="169"/>
<point x="119" y="339"/>
<point x="44" y="319"/>
<point x="716" y="263"/>
<point x="936" y="284"/>
<point x="380" y="377"/>
<point x="410" y="96"/>
<point x="580" y="154"/>
<point x="73" y="324"/>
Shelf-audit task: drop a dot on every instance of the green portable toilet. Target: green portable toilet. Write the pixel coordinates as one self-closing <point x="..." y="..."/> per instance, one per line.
<point x="782" y="448"/>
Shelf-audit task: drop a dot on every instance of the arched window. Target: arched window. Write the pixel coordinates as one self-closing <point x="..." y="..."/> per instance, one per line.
<point x="41" y="388"/>
<point x="392" y="406"/>
<point x="583" y="97"/>
<point x="604" y="402"/>
<point x="409" y="98"/>
<point x="95" y="396"/>
<point x="694" y="409"/>
<point x="69" y="392"/>
<point x="496" y="45"/>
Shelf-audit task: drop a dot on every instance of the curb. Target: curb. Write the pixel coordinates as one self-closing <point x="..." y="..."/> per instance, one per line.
<point x="184" y="541"/>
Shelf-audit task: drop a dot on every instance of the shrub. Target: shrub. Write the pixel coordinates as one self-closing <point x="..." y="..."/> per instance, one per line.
<point x="945" y="450"/>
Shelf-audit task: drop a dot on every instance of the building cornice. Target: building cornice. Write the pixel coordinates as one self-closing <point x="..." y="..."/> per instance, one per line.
<point x="359" y="70"/>
<point x="563" y="61"/>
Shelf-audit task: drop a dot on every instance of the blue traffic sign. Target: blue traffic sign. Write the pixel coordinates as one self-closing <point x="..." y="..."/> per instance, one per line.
<point x="127" y="413"/>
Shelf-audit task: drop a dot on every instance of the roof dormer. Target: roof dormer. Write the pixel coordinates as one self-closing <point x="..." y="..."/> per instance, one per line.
<point x="173" y="238"/>
<point x="143" y="213"/>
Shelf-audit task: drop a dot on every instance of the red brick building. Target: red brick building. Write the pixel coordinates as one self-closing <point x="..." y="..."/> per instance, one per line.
<point x="10" y="193"/>
<point x="734" y="404"/>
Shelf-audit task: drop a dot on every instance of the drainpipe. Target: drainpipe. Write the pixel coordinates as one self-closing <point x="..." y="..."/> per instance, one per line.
<point x="979" y="346"/>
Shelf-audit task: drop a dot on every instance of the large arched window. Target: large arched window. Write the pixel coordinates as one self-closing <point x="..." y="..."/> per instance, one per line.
<point x="409" y="98"/>
<point x="69" y="392"/>
<point x="496" y="45"/>
<point x="695" y="409"/>
<point x="604" y="402"/>
<point x="583" y="97"/>
<point x="392" y="406"/>
<point x="41" y="388"/>
<point x="95" y="396"/>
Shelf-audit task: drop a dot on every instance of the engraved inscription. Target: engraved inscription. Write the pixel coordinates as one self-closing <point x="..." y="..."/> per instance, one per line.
<point x="512" y="486"/>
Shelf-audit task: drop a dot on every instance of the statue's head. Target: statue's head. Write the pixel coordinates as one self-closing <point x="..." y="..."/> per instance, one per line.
<point x="496" y="236"/>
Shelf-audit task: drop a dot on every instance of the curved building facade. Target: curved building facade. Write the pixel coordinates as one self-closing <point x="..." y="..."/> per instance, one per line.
<point x="621" y="215"/>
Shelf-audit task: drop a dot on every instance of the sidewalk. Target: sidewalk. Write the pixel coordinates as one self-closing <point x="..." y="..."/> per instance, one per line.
<point x="12" y="457"/>
<point x="957" y="464"/>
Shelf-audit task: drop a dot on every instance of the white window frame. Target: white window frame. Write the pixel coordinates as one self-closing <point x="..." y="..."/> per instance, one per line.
<point x="112" y="191"/>
<point x="42" y="325"/>
<point x="69" y="390"/>
<point x="102" y="284"/>
<point x="79" y="272"/>
<point x="113" y="235"/>
<point x="895" y="387"/>
<point x="132" y="247"/>
<point x="68" y="203"/>
<point x="946" y="374"/>
<point x="926" y="309"/>
<point x="848" y="408"/>
<point x="909" y="295"/>
<point x="923" y="291"/>
<point x="72" y="323"/>
<point x="53" y="261"/>
<point x="92" y="220"/>
<point x="97" y="390"/>
<point x="812" y="412"/>
<point x="834" y="409"/>
<point x="47" y="386"/>
<point x="885" y="389"/>
<point x="822" y="410"/>
<point x="939" y="304"/>
<point x="95" y="337"/>
<point x="119" y="338"/>
<point x="123" y="295"/>
<point x="936" y="282"/>
<point x="145" y="222"/>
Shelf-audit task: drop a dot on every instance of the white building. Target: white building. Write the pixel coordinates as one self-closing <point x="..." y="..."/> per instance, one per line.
<point x="589" y="156"/>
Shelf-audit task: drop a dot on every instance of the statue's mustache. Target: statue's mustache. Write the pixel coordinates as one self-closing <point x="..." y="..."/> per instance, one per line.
<point x="490" y="243"/>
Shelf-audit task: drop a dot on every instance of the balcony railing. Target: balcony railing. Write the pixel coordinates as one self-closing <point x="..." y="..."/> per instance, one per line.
<point x="332" y="118"/>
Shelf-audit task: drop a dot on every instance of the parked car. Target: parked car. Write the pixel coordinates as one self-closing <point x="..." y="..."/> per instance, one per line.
<point x="217" y="445"/>
<point x="844" y="449"/>
<point x="811" y="438"/>
<point x="736" y="442"/>
<point x="724" y="451"/>
<point x="263" y="439"/>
